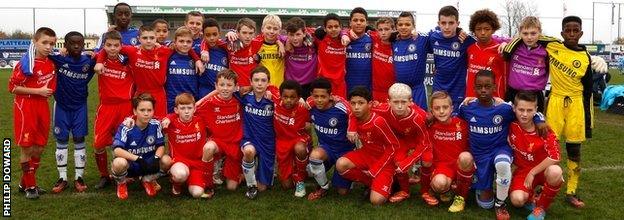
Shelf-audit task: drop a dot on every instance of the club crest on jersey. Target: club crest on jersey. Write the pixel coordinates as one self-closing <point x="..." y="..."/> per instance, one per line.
<point x="367" y="47"/>
<point x="268" y="108"/>
<point x="455" y="45"/>
<point x="217" y="109"/>
<point x="191" y="63"/>
<point x="333" y="122"/>
<point x="57" y="130"/>
<point x="150" y="139"/>
<point x="156" y="65"/>
<point x="411" y="48"/>
<point x="86" y="68"/>
<point x="134" y="41"/>
<point x="576" y="63"/>
<point x="497" y="119"/>
<point x="224" y="61"/>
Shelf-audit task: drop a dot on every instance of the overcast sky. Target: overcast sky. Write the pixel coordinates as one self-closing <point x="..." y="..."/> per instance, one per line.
<point x="65" y="16"/>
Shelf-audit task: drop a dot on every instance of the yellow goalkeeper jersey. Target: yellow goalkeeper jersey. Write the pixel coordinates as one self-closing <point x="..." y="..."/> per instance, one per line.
<point x="567" y="68"/>
<point x="269" y="58"/>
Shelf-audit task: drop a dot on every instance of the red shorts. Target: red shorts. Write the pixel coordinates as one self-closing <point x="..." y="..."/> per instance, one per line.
<point x="382" y="183"/>
<point x="108" y="117"/>
<point x="285" y="156"/>
<point x="448" y="169"/>
<point x="160" y="110"/>
<point x="233" y="157"/>
<point x="196" y="172"/>
<point x="517" y="181"/>
<point x="31" y="121"/>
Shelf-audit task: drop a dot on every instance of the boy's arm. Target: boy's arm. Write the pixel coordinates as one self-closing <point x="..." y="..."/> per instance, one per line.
<point x="17" y="80"/>
<point x="391" y="145"/>
<point x="119" y="144"/>
<point x="551" y="145"/>
<point x="423" y="145"/>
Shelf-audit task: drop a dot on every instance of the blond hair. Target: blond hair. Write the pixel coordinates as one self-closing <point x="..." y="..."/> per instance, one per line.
<point x="272" y="19"/>
<point x="440" y="95"/>
<point x="400" y="90"/>
<point x="183" y="32"/>
<point x="530" y="22"/>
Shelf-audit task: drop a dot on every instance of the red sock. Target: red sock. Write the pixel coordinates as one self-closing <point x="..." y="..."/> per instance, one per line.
<point x="403" y="181"/>
<point x="300" y="173"/>
<point x="28" y="175"/>
<point x="208" y="172"/>
<point x="34" y="163"/>
<point x="463" y="181"/>
<point x="425" y="179"/>
<point x="548" y="194"/>
<point x="101" y="159"/>
<point x="357" y="175"/>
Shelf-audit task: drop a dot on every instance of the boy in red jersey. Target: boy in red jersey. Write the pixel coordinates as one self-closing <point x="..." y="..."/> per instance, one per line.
<point x="332" y="54"/>
<point x="31" y="120"/>
<point x="452" y="161"/>
<point x="186" y="134"/>
<point x="222" y="114"/>
<point x="536" y="159"/>
<point x="115" y="88"/>
<point x="149" y="67"/>
<point x="383" y="69"/>
<point x="371" y="164"/>
<point x="291" y="137"/>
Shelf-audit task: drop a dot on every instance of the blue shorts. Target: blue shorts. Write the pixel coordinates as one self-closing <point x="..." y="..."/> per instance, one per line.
<point x="419" y="95"/>
<point x="70" y="121"/>
<point x="134" y="168"/>
<point x="266" y="159"/>
<point x="484" y="175"/>
<point x="332" y="156"/>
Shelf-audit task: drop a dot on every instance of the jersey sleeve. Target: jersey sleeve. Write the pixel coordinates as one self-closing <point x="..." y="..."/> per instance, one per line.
<point x="391" y="143"/>
<point x="160" y="139"/>
<point x="121" y="136"/>
<point x="551" y="145"/>
<point x="17" y="77"/>
<point x="511" y="47"/>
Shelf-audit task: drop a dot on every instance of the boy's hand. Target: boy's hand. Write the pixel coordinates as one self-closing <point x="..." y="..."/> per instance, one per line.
<point x="112" y="27"/>
<point x="98" y="68"/>
<point x="281" y="48"/>
<point x="528" y="180"/>
<point x="498" y="101"/>
<point x="462" y="36"/>
<point x="205" y="56"/>
<point x="352" y="35"/>
<point x="199" y="67"/>
<point x="44" y="91"/>
<point x="63" y="51"/>
<point x="165" y="122"/>
<point x="467" y="100"/>
<point x="128" y="122"/>
<point x="345" y="40"/>
<point x="501" y="47"/>
<point x="231" y="36"/>
<point x="599" y="65"/>
<point x="352" y="136"/>
<point x="268" y="95"/>
<point x="89" y="53"/>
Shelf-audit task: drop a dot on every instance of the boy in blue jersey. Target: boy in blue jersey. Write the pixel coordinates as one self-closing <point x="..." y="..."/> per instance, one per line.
<point x="139" y="151"/>
<point x="488" y="123"/>
<point x="359" y="52"/>
<point x="216" y="58"/>
<point x="181" y="74"/>
<point x="122" y="17"/>
<point x="70" y="108"/>
<point x="332" y="119"/>
<point x="194" y="21"/>
<point x="449" y="55"/>
<point x="258" y="134"/>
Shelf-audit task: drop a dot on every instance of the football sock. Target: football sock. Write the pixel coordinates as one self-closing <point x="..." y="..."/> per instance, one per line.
<point x="574" y="171"/>
<point x="356" y="175"/>
<point x="299" y="173"/>
<point x="101" y="159"/>
<point x="317" y="168"/>
<point x="548" y="194"/>
<point x="503" y="177"/>
<point x="464" y="180"/>
<point x="61" y="160"/>
<point x="425" y="179"/>
<point x="80" y="158"/>
<point x="249" y="171"/>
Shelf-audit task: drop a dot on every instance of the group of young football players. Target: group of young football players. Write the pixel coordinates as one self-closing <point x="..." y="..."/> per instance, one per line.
<point x="245" y="108"/>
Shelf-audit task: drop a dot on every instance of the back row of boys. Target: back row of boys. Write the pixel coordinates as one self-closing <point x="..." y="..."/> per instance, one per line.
<point x="331" y="64"/>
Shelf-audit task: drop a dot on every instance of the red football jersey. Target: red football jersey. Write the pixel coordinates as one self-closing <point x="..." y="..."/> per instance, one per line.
<point x="332" y="58"/>
<point x="486" y="57"/>
<point x="377" y="139"/>
<point x="410" y="129"/>
<point x="530" y="149"/>
<point x="186" y="139"/>
<point x="449" y="140"/>
<point x="383" y="69"/>
<point x="222" y="117"/>
<point x="290" y="123"/>
<point x="44" y="74"/>
<point x="115" y="83"/>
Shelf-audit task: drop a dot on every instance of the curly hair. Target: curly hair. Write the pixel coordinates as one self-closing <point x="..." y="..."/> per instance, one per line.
<point x="484" y="16"/>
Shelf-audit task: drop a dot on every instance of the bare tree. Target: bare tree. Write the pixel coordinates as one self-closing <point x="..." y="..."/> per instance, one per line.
<point x="515" y="11"/>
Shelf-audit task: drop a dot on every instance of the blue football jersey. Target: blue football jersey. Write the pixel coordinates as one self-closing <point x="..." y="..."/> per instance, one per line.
<point x="197" y="45"/>
<point x="450" y="57"/>
<point x="72" y="81"/>
<point x="409" y="57"/>
<point x="181" y="77"/>
<point x="488" y="126"/>
<point x="331" y="127"/>
<point x="140" y="142"/>
<point x="359" y="63"/>
<point x="258" y="120"/>
<point x="218" y="61"/>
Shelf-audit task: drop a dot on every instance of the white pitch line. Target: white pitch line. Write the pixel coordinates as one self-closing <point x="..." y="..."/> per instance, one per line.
<point x="602" y="168"/>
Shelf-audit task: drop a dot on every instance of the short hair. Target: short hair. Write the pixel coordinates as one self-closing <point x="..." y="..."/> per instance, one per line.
<point x="121" y="4"/>
<point x="400" y="89"/>
<point x="292" y="85"/>
<point x="440" y="95"/>
<point x="44" y="31"/>
<point x="407" y="14"/>
<point x="360" y="91"/>
<point x="448" y="11"/>
<point x="160" y="21"/>
<point x="329" y="17"/>
<point x="184" y="98"/>
<point x="571" y="18"/>
<point x="530" y="22"/>
<point x="484" y="16"/>
<point x="260" y="69"/>
<point x="245" y="22"/>
<point x="193" y="13"/>
<point x="525" y="96"/>
<point x="295" y="24"/>
<point x="358" y="10"/>
<point x="145" y="28"/>
<point x="143" y="97"/>
<point x="272" y="19"/>
<point x="72" y="34"/>
<point x="210" y="22"/>
<point x="183" y="32"/>
<point x="111" y="35"/>
<point x="321" y="83"/>
<point x="385" y="20"/>
<point x="484" y="73"/>
<point x="227" y="74"/>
